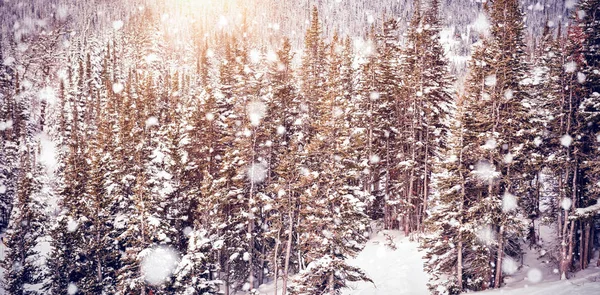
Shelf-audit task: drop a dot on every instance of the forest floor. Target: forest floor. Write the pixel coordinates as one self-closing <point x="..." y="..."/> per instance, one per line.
<point x="400" y="271"/>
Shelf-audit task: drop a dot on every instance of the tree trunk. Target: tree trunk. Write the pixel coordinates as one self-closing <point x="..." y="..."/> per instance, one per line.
<point x="586" y="245"/>
<point x="498" y="280"/>
<point x="275" y="260"/>
<point x="288" y="251"/>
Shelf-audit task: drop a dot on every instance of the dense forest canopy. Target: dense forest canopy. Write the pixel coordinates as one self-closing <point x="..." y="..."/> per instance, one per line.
<point x="214" y="146"/>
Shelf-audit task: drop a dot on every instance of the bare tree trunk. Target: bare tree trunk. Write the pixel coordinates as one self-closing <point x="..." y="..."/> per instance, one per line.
<point x="586" y="245"/>
<point x="498" y="280"/>
<point x="275" y="260"/>
<point x="288" y="250"/>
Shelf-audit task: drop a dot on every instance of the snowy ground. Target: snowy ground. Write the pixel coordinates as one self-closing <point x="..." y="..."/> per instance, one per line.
<point x="395" y="272"/>
<point x="400" y="271"/>
<point x="586" y="282"/>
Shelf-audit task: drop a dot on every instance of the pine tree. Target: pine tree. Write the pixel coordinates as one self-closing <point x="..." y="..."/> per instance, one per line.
<point x="332" y="220"/>
<point x="497" y="119"/>
<point x="22" y="261"/>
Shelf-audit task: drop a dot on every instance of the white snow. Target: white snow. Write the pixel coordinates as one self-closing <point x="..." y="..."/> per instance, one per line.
<point x="280" y="130"/>
<point x="256" y="111"/>
<point x="485" y="171"/>
<point x="490" y="144"/>
<point x="222" y="21"/>
<point x="491" y="80"/>
<point x="151" y="121"/>
<point x="566" y="204"/>
<point x="48" y="152"/>
<point x="395" y="272"/>
<point x="374" y="95"/>
<point x="254" y="56"/>
<point x="570" y="4"/>
<point x="6" y="125"/>
<point x="570" y="67"/>
<point x="48" y="94"/>
<point x="581" y="77"/>
<point x="566" y="140"/>
<point x="117" y="87"/>
<point x="509" y="265"/>
<point x="158" y="264"/>
<point x="535" y="275"/>
<point x="257" y="172"/>
<point x="2" y="189"/>
<point x="72" y="289"/>
<point x="72" y="225"/>
<point x="509" y="202"/>
<point x="508" y="94"/>
<point x="117" y="25"/>
<point x="486" y="235"/>
<point x="374" y="159"/>
<point x="481" y="24"/>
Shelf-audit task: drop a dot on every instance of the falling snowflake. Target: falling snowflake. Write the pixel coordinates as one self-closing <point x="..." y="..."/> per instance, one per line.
<point x="508" y="94"/>
<point x="485" y="171"/>
<point x="508" y="158"/>
<point x="581" y="14"/>
<point x="280" y="130"/>
<point x="2" y="189"/>
<point x="158" y="264"/>
<point x="62" y="12"/>
<point x="491" y="80"/>
<point x="509" y="202"/>
<point x="566" y="204"/>
<point x="257" y="173"/>
<point x="117" y="25"/>
<point x="535" y="275"/>
<point x="566" y="140"/>
<point x="482" y="24"/>
<point x="374" y="95"/>
<point x="537" y="141"/>
<point x="72" y="225"/>
<point x="374" y="159"/>
<point x="254" y="56"/>
<point x="581" y="77"/>
<point x="509" y="265"/>
<point x="6" y="125"/>
<point x="490" y="144"/>
<point x="246" y="256"/>
<point x="117" y="87"/>
<point x="48" y="152"/>
<point x="151" y="122"/>
<point x="337" y="112"/>
<point x="256" y="111"/>
<point x="210" y="117"/>
<point x="370" y="19"/>
<point x="272" y="56"/>
<point x="72" y="289"/>
<point x="150" y="58"/>
<point x="486" y="235"/>
<point x="570" y="67"/>
<point x="222" y="21"/>
<point x="48" y="94"/>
